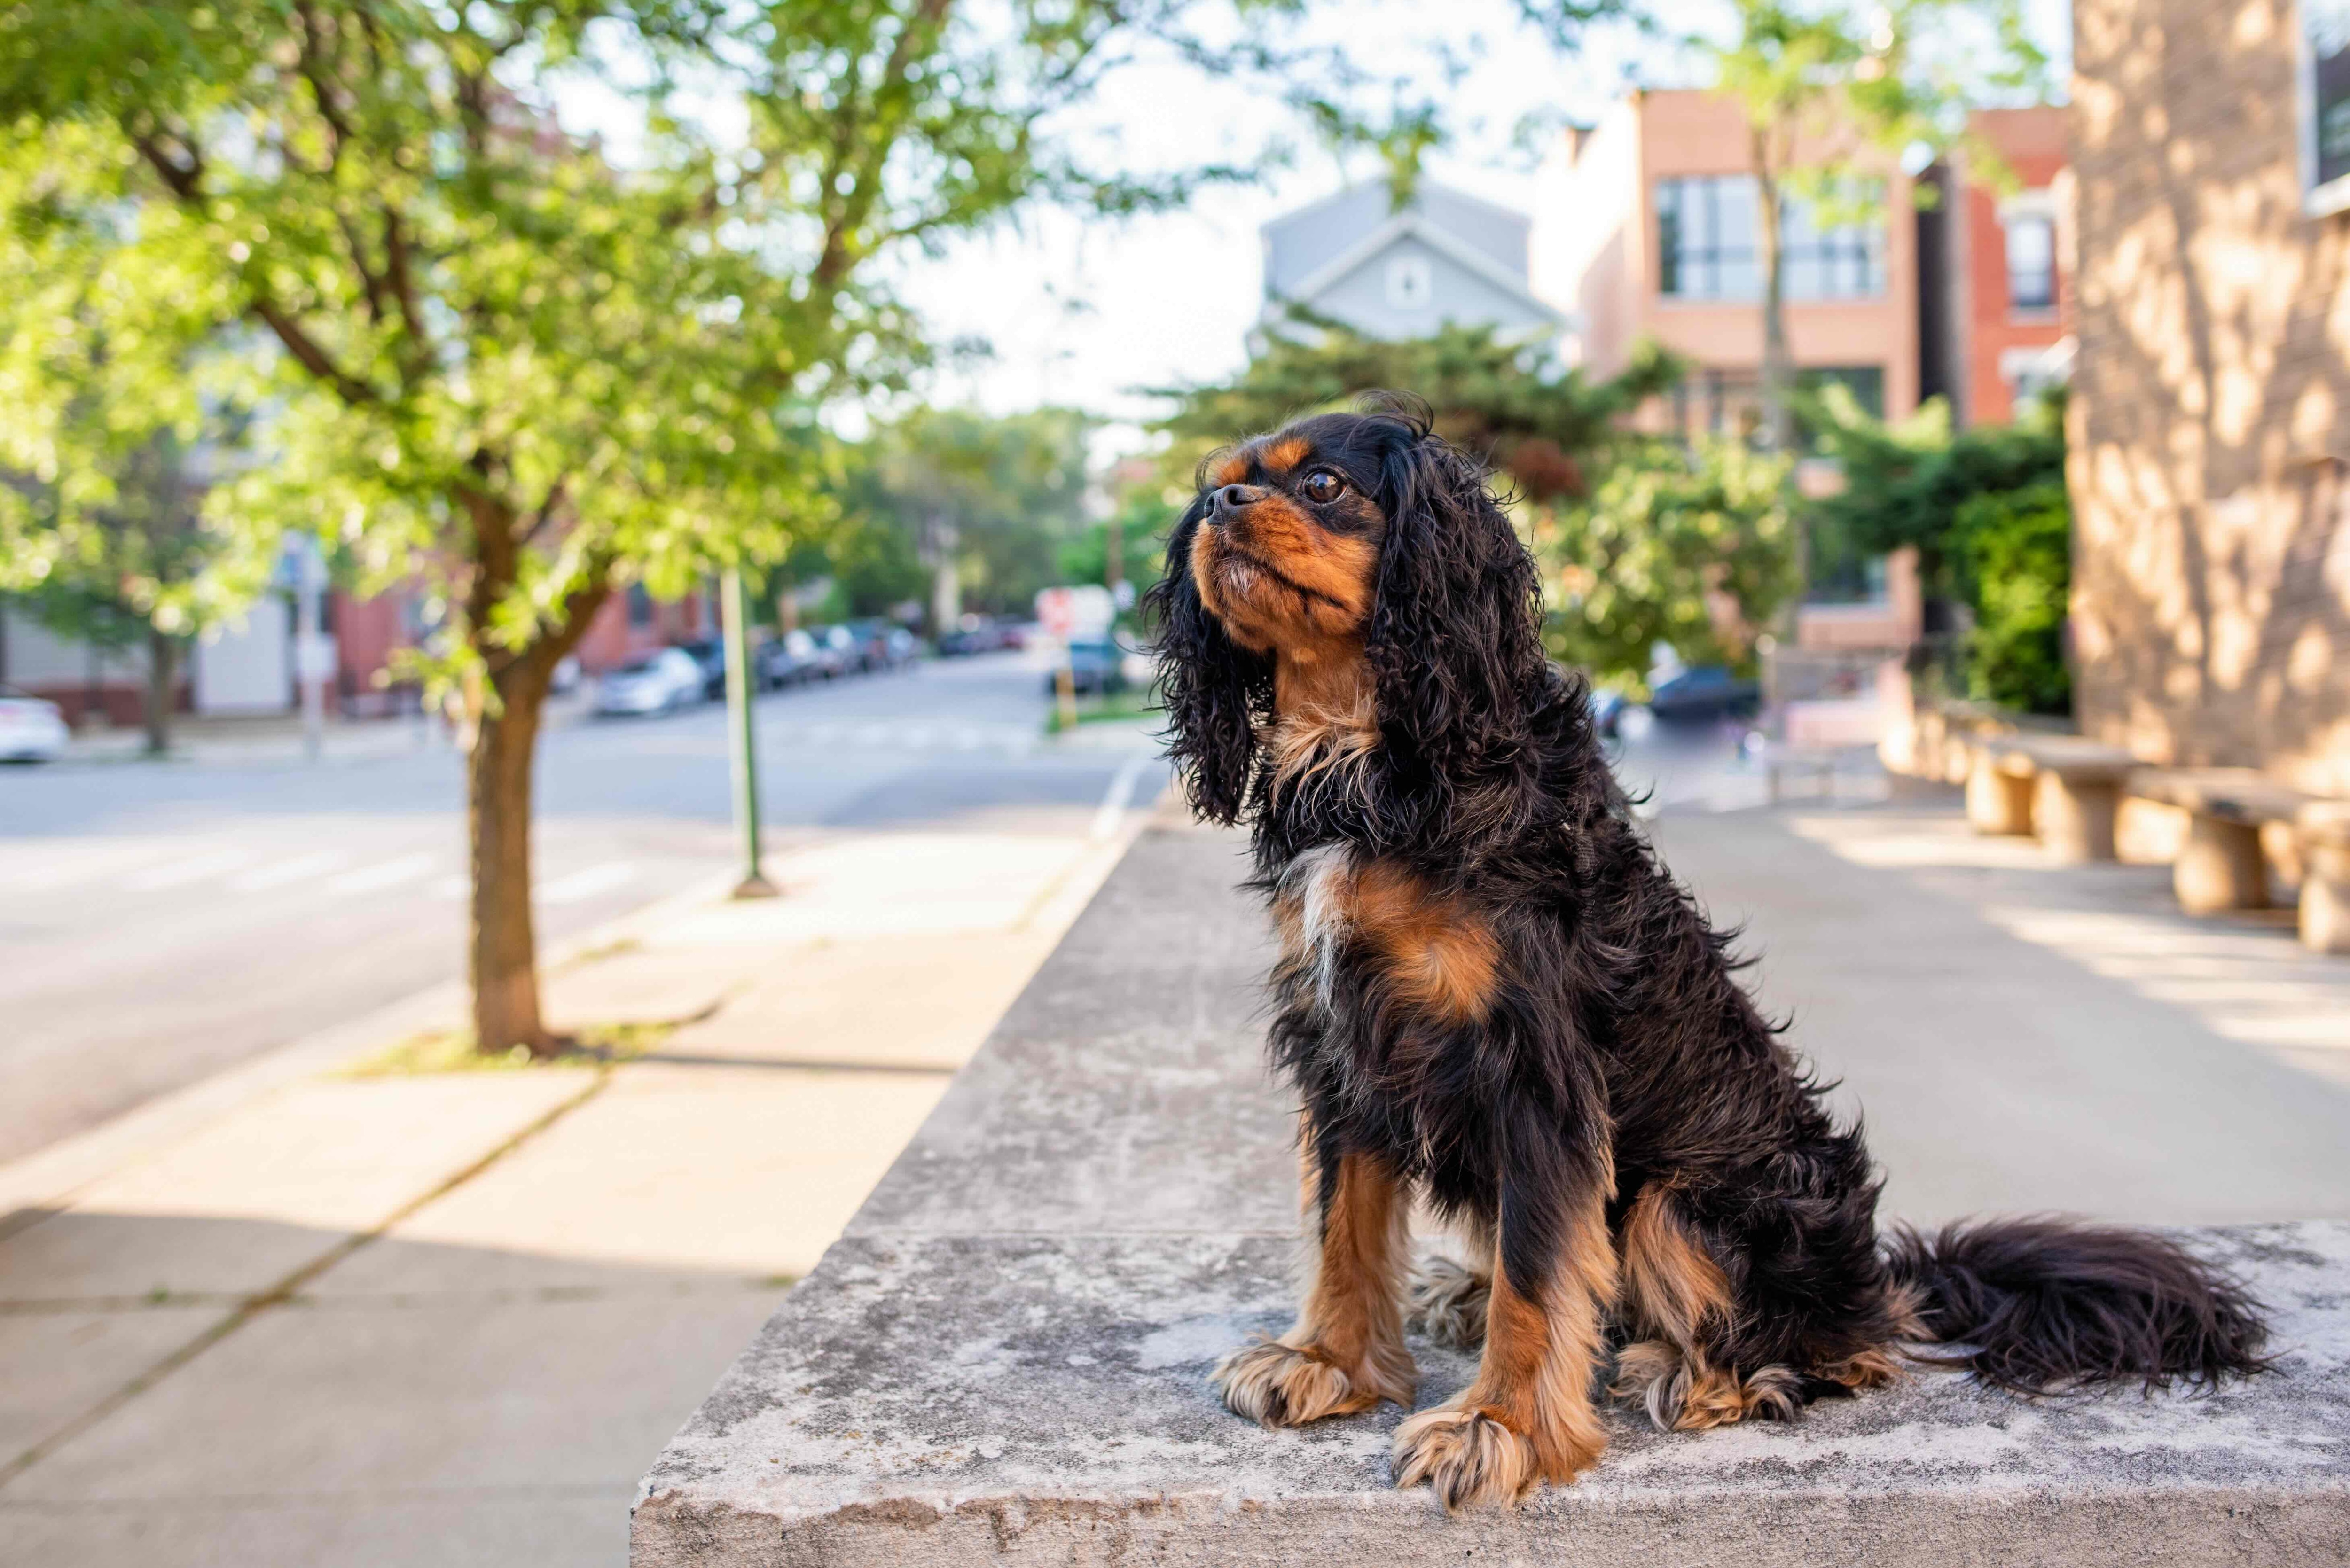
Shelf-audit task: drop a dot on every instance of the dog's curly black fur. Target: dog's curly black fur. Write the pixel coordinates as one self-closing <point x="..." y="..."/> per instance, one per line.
<point x="1567" y="1044"/>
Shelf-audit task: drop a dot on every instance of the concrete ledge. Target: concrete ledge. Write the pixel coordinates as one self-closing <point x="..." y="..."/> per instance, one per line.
<point x="1006" y="1358"/>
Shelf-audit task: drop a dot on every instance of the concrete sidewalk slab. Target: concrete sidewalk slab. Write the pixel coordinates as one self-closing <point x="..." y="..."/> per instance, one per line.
<point x="310" y="1165"/>
<point x="902" y="1000"/>
<point x="54" y="1365"/>
<point x="2000" y="1066"/>
<point x="637" y="986"/>
<point x="900" y="883"/>
<point x="749" y="1171"/>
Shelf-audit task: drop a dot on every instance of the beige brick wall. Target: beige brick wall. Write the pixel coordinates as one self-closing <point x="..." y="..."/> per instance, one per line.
<point x="2210" y="420"/>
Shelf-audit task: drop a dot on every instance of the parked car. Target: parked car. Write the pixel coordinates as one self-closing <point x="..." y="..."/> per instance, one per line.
<point x="1705" y="692"/>
<point x="32" y="729"/>
<point x="1096" y="669"/>
<point x="981" y="634"/>
<point x="791" y="660"/>
<point x="656" y="683"/>
<point x="1607" y="710"/>
<point x="879" y="645"/>
<point x="709" y="655"/>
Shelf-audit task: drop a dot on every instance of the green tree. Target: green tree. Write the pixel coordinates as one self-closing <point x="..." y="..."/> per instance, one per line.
<point x="1907" y="480"/>
<point x="987" y="502"/>
<point x="1513" y="404"/>
<point x="1694" y="549"/>
<point x="494" y="357"/>
<point x="116" y="398"/>
<point x="1834" y="97"/>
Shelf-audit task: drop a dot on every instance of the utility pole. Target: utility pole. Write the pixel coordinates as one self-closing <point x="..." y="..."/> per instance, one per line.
<point x="310" y="644"/>
<point x="740" y="730"/>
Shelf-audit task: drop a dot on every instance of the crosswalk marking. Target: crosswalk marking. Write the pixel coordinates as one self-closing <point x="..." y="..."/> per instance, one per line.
<point x="1018" y="740"/>
<point x="179" y="873"/>
<point x="586" y="884"/>
<point x="376" y="878"/>
<point x="300" y="869"/>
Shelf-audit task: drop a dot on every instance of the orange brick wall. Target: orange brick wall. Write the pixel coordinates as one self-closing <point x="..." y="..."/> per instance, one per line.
<point x="2211" y="417"/>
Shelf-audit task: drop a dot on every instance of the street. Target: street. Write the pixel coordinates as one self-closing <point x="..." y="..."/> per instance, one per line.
<point x="164" y="921"/>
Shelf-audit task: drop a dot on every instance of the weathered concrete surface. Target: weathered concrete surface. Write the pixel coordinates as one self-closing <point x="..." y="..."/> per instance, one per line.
<point x="1006" y="1358"/>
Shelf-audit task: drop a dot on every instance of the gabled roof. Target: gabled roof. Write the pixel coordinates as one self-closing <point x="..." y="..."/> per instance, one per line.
<point x="1410" y="225"/>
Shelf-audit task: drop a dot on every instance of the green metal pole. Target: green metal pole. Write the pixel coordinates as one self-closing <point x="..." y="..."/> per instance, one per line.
<point x="739" y="726"/>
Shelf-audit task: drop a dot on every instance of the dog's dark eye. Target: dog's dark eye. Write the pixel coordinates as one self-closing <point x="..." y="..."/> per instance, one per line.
<point x="1322" y="485"/>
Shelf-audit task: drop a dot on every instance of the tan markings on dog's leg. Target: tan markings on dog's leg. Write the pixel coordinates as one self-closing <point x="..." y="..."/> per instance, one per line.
<point x="1870" y="1368"/>
<point x="1345" y="1353"/>
<point x="1528" y="1416"/>
<point x="1671" y="1287"/>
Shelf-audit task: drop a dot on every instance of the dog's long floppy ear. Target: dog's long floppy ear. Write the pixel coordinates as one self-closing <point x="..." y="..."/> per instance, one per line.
<point x="1215" y="691"/>
<point x="1455" y="637"/>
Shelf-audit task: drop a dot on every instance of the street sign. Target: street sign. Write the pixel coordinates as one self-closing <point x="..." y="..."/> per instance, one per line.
<point x="1084" y="611"/>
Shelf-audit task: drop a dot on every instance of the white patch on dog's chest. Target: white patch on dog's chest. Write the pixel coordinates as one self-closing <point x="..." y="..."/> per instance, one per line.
<point x="1316" y="881"/>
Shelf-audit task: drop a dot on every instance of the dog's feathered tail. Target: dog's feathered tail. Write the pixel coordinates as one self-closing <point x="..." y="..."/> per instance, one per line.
<point x="2052" y="1306"/>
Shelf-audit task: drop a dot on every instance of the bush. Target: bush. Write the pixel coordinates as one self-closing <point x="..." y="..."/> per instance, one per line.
<point x="2019" y="543"/>
<point x="1691" y="548"/>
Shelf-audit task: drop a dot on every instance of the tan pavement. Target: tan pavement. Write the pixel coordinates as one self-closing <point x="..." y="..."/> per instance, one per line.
<point x="301" y="1316"/>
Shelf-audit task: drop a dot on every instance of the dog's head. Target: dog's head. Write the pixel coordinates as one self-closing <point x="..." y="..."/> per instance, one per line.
<point x="1358" y="537"/>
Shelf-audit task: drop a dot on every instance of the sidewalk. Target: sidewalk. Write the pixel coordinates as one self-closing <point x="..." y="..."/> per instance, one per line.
<point x="303" y="1316"/>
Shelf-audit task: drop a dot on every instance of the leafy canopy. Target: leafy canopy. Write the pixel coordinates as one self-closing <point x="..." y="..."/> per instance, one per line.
<point x="1514" y="405"/>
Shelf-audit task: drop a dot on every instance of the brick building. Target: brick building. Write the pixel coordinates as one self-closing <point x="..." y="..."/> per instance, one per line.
<point x="1647" y="228"/>
<point x="1994" y="293"/>
<point x="2211" y="415"/>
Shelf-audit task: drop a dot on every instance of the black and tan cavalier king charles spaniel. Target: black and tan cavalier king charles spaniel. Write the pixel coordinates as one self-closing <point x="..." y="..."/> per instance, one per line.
<point x="1490" y="996"/>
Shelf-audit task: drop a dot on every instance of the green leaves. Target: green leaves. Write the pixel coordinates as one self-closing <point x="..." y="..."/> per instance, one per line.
<point x="1512" y="404"/>
<point x="1695" y="550"/>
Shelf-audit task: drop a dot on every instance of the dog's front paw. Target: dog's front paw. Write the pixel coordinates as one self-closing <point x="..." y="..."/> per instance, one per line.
<point x="1277" y="1385"/>
<point x="1468" y="1457"/>
<point x="1448" y="1305"/>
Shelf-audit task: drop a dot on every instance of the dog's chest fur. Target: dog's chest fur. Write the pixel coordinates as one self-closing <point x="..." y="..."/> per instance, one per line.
<point x="1367" y="938"/>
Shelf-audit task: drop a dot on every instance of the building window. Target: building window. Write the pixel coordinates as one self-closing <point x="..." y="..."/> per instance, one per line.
<point x="1709" y="245"/>
<point x="2325" y="105"/>
<point x="2031" y="263"/>
<point x="1411" y="283"/>
<point x="1729" y="402"/>
<point x="640" y="605"/>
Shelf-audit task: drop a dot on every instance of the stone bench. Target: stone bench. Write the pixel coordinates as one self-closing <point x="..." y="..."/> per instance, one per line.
<point x="2324" y="827"/>
<point x="2220" y="865"/>
<point x="2063" y="788"/>
<point x="1005" y="1359"/>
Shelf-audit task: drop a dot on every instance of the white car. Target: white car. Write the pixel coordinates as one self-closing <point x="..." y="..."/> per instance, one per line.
<point x="31" y="730"/>
<point x="656" y="684"/>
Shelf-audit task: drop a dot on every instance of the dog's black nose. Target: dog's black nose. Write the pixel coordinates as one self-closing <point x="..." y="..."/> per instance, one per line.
<point x="1232" y="497"/>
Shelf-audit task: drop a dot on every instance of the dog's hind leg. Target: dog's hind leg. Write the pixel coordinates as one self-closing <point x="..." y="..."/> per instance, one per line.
<point x="1528" y="1416"/>
<point x="1346" y="1352"/>
<point x="1448" y="1299"/>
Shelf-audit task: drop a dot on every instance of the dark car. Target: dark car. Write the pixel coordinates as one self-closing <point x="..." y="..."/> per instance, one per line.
<point x="708" y="654"/>
<point x="879" y="645"/>
<point x="1096" y="667"/>
<point x="1706" y="691"/>
<point x="789" y="659"/>
<point x="1607" y="710"/>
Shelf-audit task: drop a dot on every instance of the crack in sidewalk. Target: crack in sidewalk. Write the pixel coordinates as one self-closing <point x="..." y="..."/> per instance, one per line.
<point x="286" y="1289"/>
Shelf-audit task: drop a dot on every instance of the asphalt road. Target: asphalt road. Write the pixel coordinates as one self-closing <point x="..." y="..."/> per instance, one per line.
<point x="161" y="921"/>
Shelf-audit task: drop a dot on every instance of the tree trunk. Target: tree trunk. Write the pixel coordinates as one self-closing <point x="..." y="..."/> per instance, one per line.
<point x="163" y="678"/>
<point x="946" y="580"/>
<point x="504" y="956"/>
<point x="1778" y="362"/>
